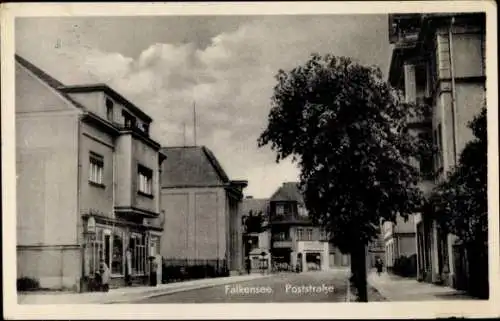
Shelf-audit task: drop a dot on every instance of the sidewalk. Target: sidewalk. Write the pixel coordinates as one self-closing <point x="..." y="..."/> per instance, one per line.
<point x="129" y="294"/>
<point x="396" y="288"/>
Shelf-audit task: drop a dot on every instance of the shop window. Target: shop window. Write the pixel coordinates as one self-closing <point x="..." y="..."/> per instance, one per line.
<point x="96" y="251"/>
<point x="117" y="256"/>
<point x="145" y="180"/>
<point x="96" y="168"/>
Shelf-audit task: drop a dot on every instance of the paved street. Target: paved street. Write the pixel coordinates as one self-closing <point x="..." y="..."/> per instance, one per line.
<point x="287" y="287"/>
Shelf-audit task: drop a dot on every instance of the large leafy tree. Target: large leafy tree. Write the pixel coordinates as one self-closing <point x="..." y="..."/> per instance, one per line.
<point x="461" y="207"/>
<point x="347" y="129"/>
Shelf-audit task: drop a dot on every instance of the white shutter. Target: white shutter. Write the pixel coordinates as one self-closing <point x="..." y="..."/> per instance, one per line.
<point x="410" y="84"/>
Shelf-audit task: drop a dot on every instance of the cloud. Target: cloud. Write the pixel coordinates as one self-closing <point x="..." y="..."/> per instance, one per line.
<point x="231" y="80"/>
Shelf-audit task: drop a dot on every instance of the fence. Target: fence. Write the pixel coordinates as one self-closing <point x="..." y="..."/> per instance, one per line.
<point x="174" y="270"/>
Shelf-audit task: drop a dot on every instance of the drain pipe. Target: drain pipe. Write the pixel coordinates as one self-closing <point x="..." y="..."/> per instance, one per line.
<point x="453" y="91"/>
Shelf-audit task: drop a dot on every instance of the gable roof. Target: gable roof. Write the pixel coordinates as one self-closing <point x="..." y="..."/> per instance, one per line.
<point x="46" y="78"/>
<point x="289" y="191"/>
<point x="191" y="166"/>
<point x="63" y="90"/>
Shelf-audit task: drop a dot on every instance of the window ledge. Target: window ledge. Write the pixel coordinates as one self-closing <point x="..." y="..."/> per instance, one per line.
<point x="145" y="194"/>
<point x="100" y="185"/>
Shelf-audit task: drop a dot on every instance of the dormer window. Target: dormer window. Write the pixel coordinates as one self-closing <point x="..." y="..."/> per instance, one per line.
<point x="129" y="120"/>
<point x="145" y="127"/>
<point x="109" y="109"/>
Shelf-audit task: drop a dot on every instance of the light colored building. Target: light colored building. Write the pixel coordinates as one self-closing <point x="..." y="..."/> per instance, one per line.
<point x="399" y="240"/>
<point x="439" y="59"/>
<point x="376" y="249"/>
<point x="87" y="182"/>
<point x="295" y="240"/>
<point x="255" y="242"/>
<point x="201" y="207"/>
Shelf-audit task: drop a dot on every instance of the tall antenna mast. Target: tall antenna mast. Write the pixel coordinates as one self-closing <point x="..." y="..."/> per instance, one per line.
<point x="194" y="122"/>
<point x="184" y="134"/>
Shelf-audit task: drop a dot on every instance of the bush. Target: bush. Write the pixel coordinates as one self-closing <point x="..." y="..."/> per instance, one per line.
<point x="27" y="284"/>
<point x="406" y="266"/>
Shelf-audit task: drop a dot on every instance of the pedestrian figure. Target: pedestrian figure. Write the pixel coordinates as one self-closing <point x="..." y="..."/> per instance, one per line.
<point x="104" y="276"/>
<point x="379" y="265"/>
<point x="248" y="264"/>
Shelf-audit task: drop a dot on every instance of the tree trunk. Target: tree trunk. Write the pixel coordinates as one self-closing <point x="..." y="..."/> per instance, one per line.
<point x="358" y="269"/>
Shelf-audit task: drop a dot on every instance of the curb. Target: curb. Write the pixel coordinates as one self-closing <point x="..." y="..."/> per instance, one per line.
<point x="173" y="291"/>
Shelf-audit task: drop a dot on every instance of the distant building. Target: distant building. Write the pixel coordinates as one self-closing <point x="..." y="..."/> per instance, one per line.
<point x="439" y="60"/>
<point x="399" y="239"/>
<point x="88" y="182"/>
<point x="256" y="242"/>
<point x="201" y="207"/>
<point x="376" y="249"/>
<point x="295" y="240"/>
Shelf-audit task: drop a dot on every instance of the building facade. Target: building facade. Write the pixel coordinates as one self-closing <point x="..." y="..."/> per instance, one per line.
<point x="256" y="239"/>
<point x="376" y="250"/>
<point x="399" y="240"/>
<point x="201" y="207"/>
<point x="88" y="183"/>
<point x="439" y="60"/>
<point x="295" y="241"/>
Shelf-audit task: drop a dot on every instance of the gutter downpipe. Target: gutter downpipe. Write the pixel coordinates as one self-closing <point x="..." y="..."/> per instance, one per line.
<point x="453" y="91"/>
<point x="449" y="262"/>
<point x="80" y="218"/>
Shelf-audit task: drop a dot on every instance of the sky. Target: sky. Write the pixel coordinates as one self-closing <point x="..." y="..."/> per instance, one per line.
<point x="223" y="64"/>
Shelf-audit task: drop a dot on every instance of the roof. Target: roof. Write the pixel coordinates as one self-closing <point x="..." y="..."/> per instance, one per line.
<point x="110" y="92"/>
<point x="289" y="191"/>
<point x="191" y="166"/>
<point x="255" y="205"/>
<point x="46" y="78"/>
<point x="64" y="90"/>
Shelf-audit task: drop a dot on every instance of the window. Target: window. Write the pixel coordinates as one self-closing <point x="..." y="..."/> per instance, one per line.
<point x="425" y="160"/>
<point x="280" y="209"/>
<point x="300" y="234"/>
<point x="137" y="248"/>
<point x="410" y="83"/>
<point x="322" y="234"/>
<point x="309" y="234"/>
<point x="302" y="211"/>
<point x="145" y="180"/>
<point x="145" y="128"/>
<point x="109" y="109"/>
<point x="96" y="168"/>
<point x="281" y="236"/>
<point x="129" y="120"/>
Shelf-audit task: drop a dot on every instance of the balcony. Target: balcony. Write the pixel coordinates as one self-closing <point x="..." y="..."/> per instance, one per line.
<point x="286" y="243"/>
<point x="404" y="29"/>
<point x="288" y="218"/>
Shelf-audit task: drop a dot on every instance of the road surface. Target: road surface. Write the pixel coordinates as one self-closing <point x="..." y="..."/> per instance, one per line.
<point x="320" y="286"/>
